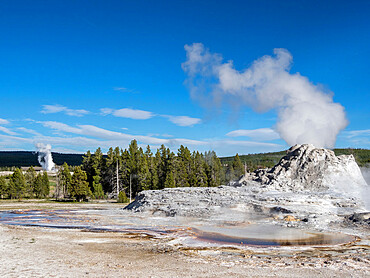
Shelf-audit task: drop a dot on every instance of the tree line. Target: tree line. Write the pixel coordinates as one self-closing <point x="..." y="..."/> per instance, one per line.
<point x="9" y="159"/>
<point x="129" y="171"/>
<point x="28" y="185"/>
<point x="124" y="173"/>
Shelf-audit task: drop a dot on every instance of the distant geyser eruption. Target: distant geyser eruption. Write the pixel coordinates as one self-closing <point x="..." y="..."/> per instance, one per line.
<point x="306" y="112"/>
<point x="44" y="156"/>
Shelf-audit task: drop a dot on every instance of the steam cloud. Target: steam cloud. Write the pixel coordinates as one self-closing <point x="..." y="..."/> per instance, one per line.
<point x="366" y="190"/>
<point x="306" y="113"/>
<point x="44" y="156"/>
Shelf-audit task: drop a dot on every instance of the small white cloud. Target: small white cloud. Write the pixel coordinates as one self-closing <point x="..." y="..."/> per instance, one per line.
<point x="61" y="127"/>
<point x="124" y="90"/>
<point x="183" y="120"/>
<point x="165" y="135"/>
<point x="49" y="109"/>
<point x="357" y="138"/>
<point x="106" y="111"/>
<point x="128" y="113"/>
<point x="7" y="131"/>
<point x="137" y="114"/>
<point x="30" y="131"/>
<point x="76" y="112"/>
<point x="3" y="121"/>
<point x="120" y="89"/>
<point x="356" y="133"/>
<point x="261" y="134"/>
<point x="66" y="150"/>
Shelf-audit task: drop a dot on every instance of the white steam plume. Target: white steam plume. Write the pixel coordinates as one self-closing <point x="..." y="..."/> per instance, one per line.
<point x="44" y="156"/>
<point x="306" y="114"/>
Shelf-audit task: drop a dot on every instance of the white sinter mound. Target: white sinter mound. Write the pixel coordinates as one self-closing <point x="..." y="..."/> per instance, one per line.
<point x="306" y="168"/>
<point x="311" y="184"/>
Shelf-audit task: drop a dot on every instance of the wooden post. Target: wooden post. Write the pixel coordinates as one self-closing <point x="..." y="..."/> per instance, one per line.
<point x="130" y="188"/>
<point x="117" y="179"/>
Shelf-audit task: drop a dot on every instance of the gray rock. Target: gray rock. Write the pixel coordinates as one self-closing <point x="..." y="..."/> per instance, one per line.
<point x="361" y="218"/>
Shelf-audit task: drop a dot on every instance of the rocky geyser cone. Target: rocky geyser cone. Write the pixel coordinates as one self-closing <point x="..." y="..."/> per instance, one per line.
<point x="306" y="168"/>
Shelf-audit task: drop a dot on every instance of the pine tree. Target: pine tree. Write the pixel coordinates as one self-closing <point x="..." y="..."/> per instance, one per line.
<point x="79" y="186"/>
<point x="19" y="183"/>
<point x="122" y="198"/>
<point x="213" y="168"/>
<point x="12" y="191"/>
<point x="38" y="186"/>
<point x="117" y="181"/>
<point x="109" y="176"/>
<point x="193" y="171"/>
<point x="152" y="180"/>
<point x="87" y="166"/>
<point x="183" y="167"/>
<point x="229" y="174"/>
<point x="3" y="187"/>
<point x="238" y="167"/>
<point x="159" y="167"/>
<point x="198" y="176"/>
<point x="124" y="171"/>
<point x="96" y="172"/>
<point x="202" y="165"/>
<point x="30" y="177"/>
<point x="137" y="168"/>
<point x="169" y="169"/>
<point x="143" y="172"/>
<point x="64" y="178"/>
<point x="218" y="171"/>
<point x="92" y="165"/>
<point x="165" y="162"/>
<point x="45" y="188"/>
<point x="108" y="171"/>
<point x="98" y="190"/>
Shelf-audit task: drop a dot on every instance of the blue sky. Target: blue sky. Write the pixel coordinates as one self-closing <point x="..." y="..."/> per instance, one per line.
<point x="84" y="74"/>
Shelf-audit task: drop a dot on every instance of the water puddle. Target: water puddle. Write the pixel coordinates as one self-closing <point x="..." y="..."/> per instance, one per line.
<point x="87" y="220"/>
<point x="267" y="235"/>
<point x="43" y="218"/>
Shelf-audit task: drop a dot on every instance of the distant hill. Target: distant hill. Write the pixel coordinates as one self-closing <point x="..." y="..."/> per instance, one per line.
<point x="27" y="158"/>
<point x="268" y="160"/>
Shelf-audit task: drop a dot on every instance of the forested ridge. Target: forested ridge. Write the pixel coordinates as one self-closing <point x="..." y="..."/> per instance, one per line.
<point x="362" y="156"/>
<point x="28" y="158"/>
<point x="259" y="160"/>
<point x="268" y="160"/>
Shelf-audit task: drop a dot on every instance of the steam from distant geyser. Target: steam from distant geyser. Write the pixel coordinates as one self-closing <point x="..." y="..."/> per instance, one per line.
<point x="44" y="156"/>
<point x="306" y="113"/>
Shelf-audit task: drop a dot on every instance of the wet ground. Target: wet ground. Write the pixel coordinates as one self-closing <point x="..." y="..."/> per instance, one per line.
<point x="69" y="236"/>
<point x="190" y="231"/>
